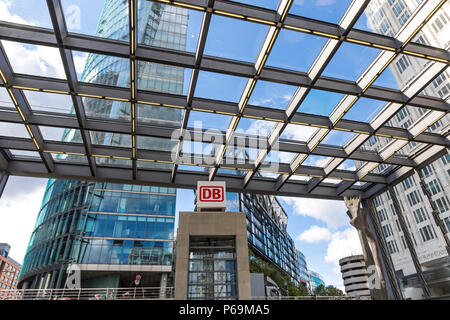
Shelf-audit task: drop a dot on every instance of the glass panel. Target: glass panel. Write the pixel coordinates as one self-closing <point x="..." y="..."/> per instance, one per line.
<point x="24" y="153"/>
<point x="406" y="117"/>
<point x="348" y="165"/>
<point x="29" y="12"/>
<point x="332" y="181"/>
<point x="209" y="121"/>
<point x="316" y="161"/>
<point x="338" y="138"/>
<point x="298" y="132"/>
<point x="440" y="125"/>
<point x="234" y="39"/>
<point x="111" y="139"/>
<point x="218" y="86"/>
<point x="365" y="110"/>
<point x="60" y="157"/>
<point x="34" y="60"/>
<point x="269" y="4"/>
<point x="410" y="149"/>
<point x="401" y="71"/>
<point x="17" y="130"/>
<point x="296" y="177"/>
<point x="61" y="134"/>
<point x="159" y="115"/>
<point x="43" y="101"/>
<point x="295" y="50"/>
<point x="350" y="61"/>
<point x="440" y="87"/>
<point x="436" y="32"/>
<point x="79" y="60"/>
<point x="106" y="70"/>
<point x="383" y="18"/>
<point x="157" y="144"/>
<point x="5" y="99"/>
<point x="375" y="143"/>
<point x="320" y="102"/>
<point x="280" y="156"/>
<point x="154" y="165"/>
<point x="330" y="11"/>
<point x="163" y="78"/>
<point x="101" y="108"/>
<point x="272" y="95"/>
<point x="108" y="161"/>
<point x="101" y="18"/>
<point x="166" y="26"/>
<point x="255" y="127"/>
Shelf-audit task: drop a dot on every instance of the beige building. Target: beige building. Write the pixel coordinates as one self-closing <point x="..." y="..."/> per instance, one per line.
<point x="387" y="17"/>
<point x="212" y="256"/>
<point x="355" y="276"/>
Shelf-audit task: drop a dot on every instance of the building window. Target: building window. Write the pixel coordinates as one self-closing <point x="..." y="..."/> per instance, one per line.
<point x="402" y="64"/>
<point x="440" y="23"/>
<point x="441" y="204"/>
<point x="414" y="198"/>
<point x="212" y="268"/>
<point x="434" y="187"/>
<point x="426" y="233"/>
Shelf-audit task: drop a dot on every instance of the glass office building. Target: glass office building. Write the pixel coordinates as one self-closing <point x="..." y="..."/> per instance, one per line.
<point x="303" y="268"/>
<point x="112" y="231"/>
<point x="315" y="280"/>
<point x="267" y="231"/>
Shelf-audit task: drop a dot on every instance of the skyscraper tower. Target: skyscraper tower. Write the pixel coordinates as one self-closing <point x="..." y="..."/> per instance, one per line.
<point x="387" y="17"/>
<point x="112" y="231"/>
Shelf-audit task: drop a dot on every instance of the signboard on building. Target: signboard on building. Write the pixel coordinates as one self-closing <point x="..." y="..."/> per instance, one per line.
<point x="211" y="195"/>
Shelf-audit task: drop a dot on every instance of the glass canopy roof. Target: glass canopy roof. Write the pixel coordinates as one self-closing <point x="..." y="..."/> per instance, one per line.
<point x="299" y="98"/>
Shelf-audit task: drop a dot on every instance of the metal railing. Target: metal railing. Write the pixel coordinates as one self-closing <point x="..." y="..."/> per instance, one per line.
<point x="309" y="298"/>
<point x="144" y="293"/>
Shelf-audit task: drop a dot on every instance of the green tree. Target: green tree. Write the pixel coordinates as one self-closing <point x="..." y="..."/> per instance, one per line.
<point x="334" y="292"/>
<point x="320" y="290"/>
<point x="287" y="287"/>
<point x="329" y="291"/>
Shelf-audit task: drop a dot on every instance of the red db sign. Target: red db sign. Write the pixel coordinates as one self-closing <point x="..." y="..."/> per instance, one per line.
<point x="211" y="193"/>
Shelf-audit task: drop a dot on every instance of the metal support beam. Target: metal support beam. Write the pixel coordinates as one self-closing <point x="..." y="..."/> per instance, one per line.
<point x="409" y="242"/>
<point x="61" y="32"/>
<point x="3" y="180"/>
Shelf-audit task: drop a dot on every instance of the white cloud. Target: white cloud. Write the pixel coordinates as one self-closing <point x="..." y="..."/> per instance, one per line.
<point x="343" y="243"/>
<point x="19" y="206"/>
<point x="34" y="60"/>
<point x="332" y="212"/>
<point x="79" y="59"/>
<point x="315" y="234"/>
<point x="5" y="15"/>
<point x="299" y="132"/>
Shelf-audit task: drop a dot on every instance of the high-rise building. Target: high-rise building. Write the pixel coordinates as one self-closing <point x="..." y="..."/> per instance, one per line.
<point x="267" y="233"/>
<point x="355" y="276"/>
<point x="303" y="268"/>
<point x="114" y="232"/>
<point x="387" y="17"/>
<point x="9" y="271"/>
<point x="315" y="280"/>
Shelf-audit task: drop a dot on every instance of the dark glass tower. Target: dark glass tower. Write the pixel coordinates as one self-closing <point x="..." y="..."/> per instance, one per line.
<point x="113" y="231"/>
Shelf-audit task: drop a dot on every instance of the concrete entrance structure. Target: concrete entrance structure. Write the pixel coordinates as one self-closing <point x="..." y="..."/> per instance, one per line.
<point x="213" y="224"/>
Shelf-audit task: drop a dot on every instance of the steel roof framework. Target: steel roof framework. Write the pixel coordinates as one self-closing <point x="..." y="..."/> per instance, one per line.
<point x="364" y="181"/>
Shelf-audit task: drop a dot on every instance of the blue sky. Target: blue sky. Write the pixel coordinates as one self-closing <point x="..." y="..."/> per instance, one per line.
<point x="320" y="228"/>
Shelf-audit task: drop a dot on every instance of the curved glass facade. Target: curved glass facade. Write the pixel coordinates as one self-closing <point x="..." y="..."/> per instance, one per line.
<point x="266" y="231"/>
<point x="105" y="223"/>
<point x="315" y="280"/>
